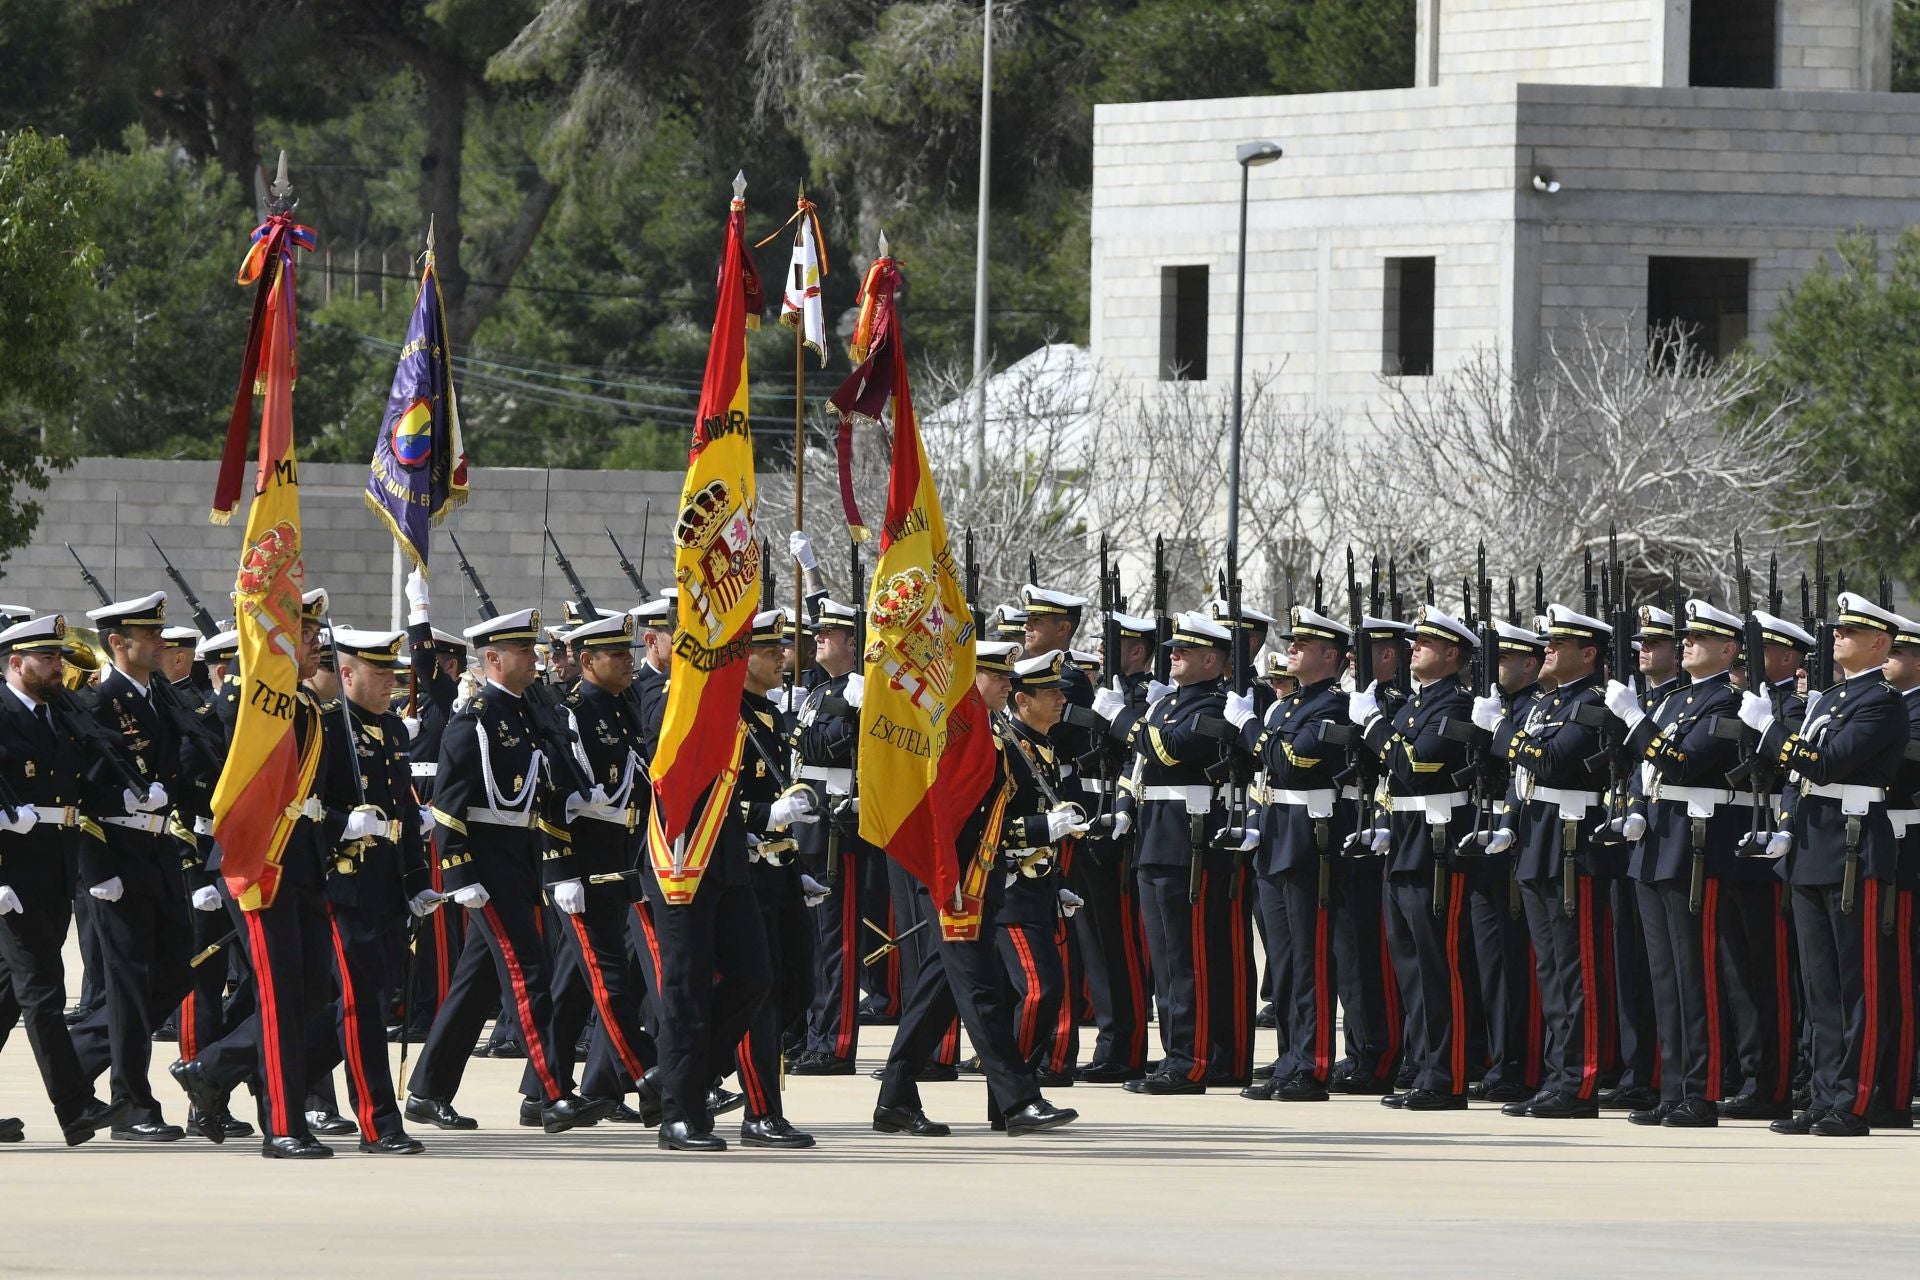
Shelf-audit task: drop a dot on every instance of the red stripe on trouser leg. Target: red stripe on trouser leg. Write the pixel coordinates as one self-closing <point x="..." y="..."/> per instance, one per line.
<point x="750" y="1080"/>
<point x="189" y="1043"/>
<point x="603" y="1001"/>
<point x="1456" y="987"/>
<point x="1390" y="995"/>
<point x="523" y="1003"/>
<point x="1783" y="1001"/>
<point x="1030" y="1001"/>
<point x="1609" y="997"/>
<point x="645" y="917"/>
<point x="350" y="1032"/>
<point x="1322" y="998"/>
<point x="1710" y="970"/>
<point x="1197" y="947"/>
<point x="1590" y="998"/>
<point x="1903" y="1064"/>
<point x="950" y="1043"/>
<point x="1136" y="981"/>
<point x="1241" y="960"/>
<point x="1870" y="982"/>
<point x="442" y="933"/>
<point x="269" y="1012"/>
<point x="843" y="1040"/>
<point x="1063" y="1022"/>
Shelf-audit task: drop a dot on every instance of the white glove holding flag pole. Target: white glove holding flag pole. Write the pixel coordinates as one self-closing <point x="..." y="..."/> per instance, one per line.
<point x="1629" y="828"/>
<point x="1063" y="822"/>
<point x="1756" y="711"/>
<point x="1624" y="703"/>
<point x="1488" y="712"/>
<point x="569" y="895"/>
<point x="134" y="802"/>
<point x="1070" y="902"/>
<point x="206" y="898"/>
<point x="417" y="599"/>
<point x="1107" y="703"/>
<point x="1364" y="705"/>
<point x="1239" y="709"/>
<point x="788" y="810"/>
<point x="1777" y="844"/>
<point x="425" y="903"/>
<point x="801" y="546"/>
<point x="108" y="890"/>
<point x="412" y="725"/>
<point x="1122" y="823"/>
<point x="24" y="818"/>
<point x="855" y="690"/>
<point x="1249" y="840"/>
<point x="362" y="823"/>
<point x="473" y="897"/>
<point x="576" y="802"/>
<point x="427" y="821"/>
<point x="812" y="892"/>
<point x="1500" y="841"/>
<point x="9" y="901"/>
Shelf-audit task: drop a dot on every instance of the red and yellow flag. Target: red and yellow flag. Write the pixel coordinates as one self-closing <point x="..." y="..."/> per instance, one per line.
<point x="267" y="773"/>
<point x="716" y="566"/>
<point x="927" y="754"/>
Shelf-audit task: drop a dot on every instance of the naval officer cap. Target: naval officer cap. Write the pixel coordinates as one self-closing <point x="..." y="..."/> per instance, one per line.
<point x="1134" y="628"/>
<point x="1312" y="625"/>
<point x="1704" y="619"/>
<point x="655" y="614"/>
<point x="995" y="655"/>
<point x="222" y="646"/>
<point x="1780" y="631"/>
<point x="834" y="614"/>
<point x="1564" y="622"/>
<point x="522" y="626"/>
<point x="1196" y="630"/>
<point x="1655" y="623"/>
<point x="1858" y="611"/>
<point x="35" y="635"/>
<point x="1042" y="671"/>
<point x="377" y="648"/>
<point x="1527" y="640"/>
<point x="1251" y="619"/>
<point x="615" y="631"/>
<point x="1041" y="602"/>
<point x="146" y="611"/>
<point x="1436" y="623"/>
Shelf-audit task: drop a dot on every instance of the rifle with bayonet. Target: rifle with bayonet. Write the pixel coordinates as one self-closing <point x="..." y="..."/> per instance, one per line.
<point x="587" y="611"/>
<point x="1162" y="619"/>
<point x="1363" y="678"/>
<point x="165" y="700"/>
<point x="1757" y="682"/>
<point x="1233" y="837"/>
<point x="626" y="565"/>
<point x="201" y="618"/>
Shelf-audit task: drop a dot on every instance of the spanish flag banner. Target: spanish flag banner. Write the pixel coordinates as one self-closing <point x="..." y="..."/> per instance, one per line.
<point x="268" y="769"/>
<point x="716" y="567"/>
<point x="928" y="756"/>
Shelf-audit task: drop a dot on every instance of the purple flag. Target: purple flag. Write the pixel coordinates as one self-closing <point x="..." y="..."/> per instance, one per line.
<point x="419" y="463"/>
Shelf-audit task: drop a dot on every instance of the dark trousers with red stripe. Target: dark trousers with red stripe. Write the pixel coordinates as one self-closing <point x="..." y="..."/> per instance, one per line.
<point x="1509" y="1031"/>
<point x="33" y="983"/>
<point x="1686" y="988"/>
<point x="880" y="901"/>
<point x="963" y="980"/>
<point x="789" y="938"/>
<point x="290" y="949"/>
<point x="833" y="1015"/>
<point x="145" y="944"/>
<point x="1063" y="1052"/>
<point x="593" y="977"/>
<point x="1277" y="976"/>
<point x="1037" y="983"/>
<point x="1177" y="943"/>
<point x="1432" y="955"/>
<point x="365" y="979"/>
<point x="714" y="975"/>
<point x="1235" y="992"/>
<point x="1844" y="962"/>
<point x="1897" y="1060"/>
<point x="1633" y="991"/>
<point x="916" y="952"/>
<point x="504" y="953"/>
<point x="205" y="1015"/>
<point x="436" y="956"/>
<point x="1569" y="954"/>
<point x="1370" y="1009"/>
<point x="1300" y="953"/>
<point x="1756" y="976"/>
<point x="1113" y="952"/>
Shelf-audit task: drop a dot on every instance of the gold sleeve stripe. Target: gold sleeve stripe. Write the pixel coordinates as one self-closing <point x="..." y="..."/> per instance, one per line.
<point x="1159" y="747"/>
<point x="446" y="819"/>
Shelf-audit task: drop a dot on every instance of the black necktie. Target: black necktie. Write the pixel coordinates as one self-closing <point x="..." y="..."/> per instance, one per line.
<point x="45" y="718"/>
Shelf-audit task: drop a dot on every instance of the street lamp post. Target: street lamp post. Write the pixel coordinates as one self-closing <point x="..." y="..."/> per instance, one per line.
<point x="1249" y="154"/>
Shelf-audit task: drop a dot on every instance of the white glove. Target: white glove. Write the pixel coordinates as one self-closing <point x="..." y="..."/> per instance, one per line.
<point x="9" y="900"/>
<point x="1070" y="902"/>
<point x="1624" y="703"/>
<point x="1107" y="703"/>
<point x="779" y="697"/>
<point x="425" y="903"/>
<point x="473" y="897"/>
<point x="1488" y="712"/>
<point x="412" y="724"/>
<point x="108" y="890"/>
<point x="1777" y="844"/>
<point x="576" y="802"/>
<point x="1158" y="689"/>
<point x="1631" y="827"/>
<point x="801" y="547"/>
<point x="206" y="898"/>
<point x="1239" y="708"/>
<point x="1249" y="840"/>
<point x="1500" y="841"/>
<point x="427" y="821"/>
<point x="362" y="823"/>
<point x="24" y="818"/>
<point x="569" y="895"/>
<point x="1122" y="823"/>
<point x="1756" y="711"/>
<point x="156" y="797"/>
<point x="856" y="689"/>
<point x="1363" y="706"/>
<point x="461" y="699"/>
<point x="417" y="599"/>
<point x="812" y="892"/>
<point x="788" y="810"/>
<point x="312" y="809"/>
<point x="1372" y="839"/>
<point x="1064" y="822"/>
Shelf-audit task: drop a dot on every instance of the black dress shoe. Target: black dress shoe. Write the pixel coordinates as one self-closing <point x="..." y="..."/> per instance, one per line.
<point x="148" y="1131"/>
<point x="1265" y="1072"/>
<point x="294" y="1149"/>
<point x="393" y="1144"/>
<point x="1162" y="1083"/>
<point x="236" y="1128"/>
<point x="1052" y="1079"/>
<point x="1259" y="1091"/>
<point x="1652" y="1115"/>
<point x="1265" y="1018"/>
<point x="1107" y="1073"/>
<point x="1799" y="1125"/>
<point x="908" y="1120"/>
<point x="1554" y="1105"/>
<point x="722" y="1100"/>
<point x="970" y="1066"/>
<point x="1394" y="1100"/>
<point x="1629" y="1100"/>
<point x="621" y="1113"/>
<point x="206" y="1101"/>
<point x="507" y="1049"/>
<point x="1521" y="1106"/>
<point x="1840" y="1124"/>
<point x="573" y="1112"/>
<point x="773" y="1132"/>
<point x="11" y="1130"/>
<point x="1751" y="1106"/>
<point x="1037" y="1115"/>
<point x="440" y="1115"/>
<point x="530" y="1109"/>
<point x="821" y="1064"/>
<point x="1692" y="1113"/>
<point x="1514" y="1092"/>
<point x="678" y="1135"/>
<point x="95" y="1116"/>
<point x="1299" y="1087"/>
<point x="1358" y="1085"/>
<point x="938" y="1073"/>
<point x="1432" y="1100"/>
<point x="331" y="1124"/>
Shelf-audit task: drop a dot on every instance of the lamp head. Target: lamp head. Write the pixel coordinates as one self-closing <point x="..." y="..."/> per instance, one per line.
<point x="1251" y="154"/>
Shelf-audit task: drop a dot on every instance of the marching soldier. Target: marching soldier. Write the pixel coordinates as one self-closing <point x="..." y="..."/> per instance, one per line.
<point x="1841" y="861"/>
<point x="40" y="792"/>
<point x="1895" y="1107"/>
<point x="438" y="661"/>
<point x="488" y="811"/>
<point x="1424" y="893"/>
<point x="1301" y="744"/>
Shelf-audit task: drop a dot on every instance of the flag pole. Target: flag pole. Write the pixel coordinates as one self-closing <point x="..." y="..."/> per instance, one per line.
<point x="799" y="480"/>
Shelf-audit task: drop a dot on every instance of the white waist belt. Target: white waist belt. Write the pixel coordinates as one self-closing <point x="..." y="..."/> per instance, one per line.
<point x="1097" y="786"/>
<point x="1317" y="802"/>
<point x="203" y="826"/>
<point x="151" y="823"/>
<point x="839" y="781"/>
<point x="1700" y="801"/>
<point x="1902" y="819"/>
<point x="426" y="768"/>
<point x="1573" y="805"/>
<point x="522" y="818"/>
<point x="1191" y="797"/>
<point x="614" y="815"/>
<point x="55" y="815"/>
<point x="1853" y="799"/>
<point x="1439" y="809"/>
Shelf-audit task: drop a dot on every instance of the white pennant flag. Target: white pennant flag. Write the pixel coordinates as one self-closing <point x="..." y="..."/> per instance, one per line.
<point x="802" y="306"/>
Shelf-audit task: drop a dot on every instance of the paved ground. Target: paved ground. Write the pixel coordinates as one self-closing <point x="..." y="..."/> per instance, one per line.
<point x="1180" y="1186"/>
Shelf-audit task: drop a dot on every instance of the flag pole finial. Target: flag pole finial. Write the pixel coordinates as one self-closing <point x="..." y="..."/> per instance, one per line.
<point x="740" y="185"/>
<point x="429" y="233"/>
<point x="883" y="244"/>
<point x="282" y="188"/>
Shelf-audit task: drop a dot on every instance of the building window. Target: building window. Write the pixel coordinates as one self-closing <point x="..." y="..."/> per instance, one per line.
<point x="1183" y="324"/>
<point x="1731" y="44"/>
<point x="1406" y="337"/>
<point x="1703" y="300"/>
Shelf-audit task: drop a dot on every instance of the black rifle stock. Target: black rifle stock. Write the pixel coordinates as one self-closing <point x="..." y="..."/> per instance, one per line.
<point x="201" y="618"/>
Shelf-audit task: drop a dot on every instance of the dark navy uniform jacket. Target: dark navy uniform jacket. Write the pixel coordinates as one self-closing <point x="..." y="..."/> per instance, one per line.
<point x="1172" y="747"/>
<point x="1550" y="748"/>
<point x="1855" y="735"/>
<point x="1290" y="743"/>
<point x="1416" y="759"/>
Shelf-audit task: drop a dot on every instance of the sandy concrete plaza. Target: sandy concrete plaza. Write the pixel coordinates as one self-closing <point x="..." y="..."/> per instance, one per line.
<point x="1212" y="1185"/>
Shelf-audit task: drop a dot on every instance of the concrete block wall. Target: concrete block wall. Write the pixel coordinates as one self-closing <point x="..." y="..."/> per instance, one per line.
<point x="1839" y="45"/>
<point x="347" y="550"/>
<point x="1542" y="41"/>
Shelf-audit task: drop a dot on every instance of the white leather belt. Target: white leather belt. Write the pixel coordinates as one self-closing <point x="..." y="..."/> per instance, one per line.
<point x="1902" y="819"/>
<point x="1439" y="809"/>
<point x="1853" y="799"/>
<point x="1572" y="804"/>
<point x="839" y="781"/>
<point x="1700" y="801"/>
<point x="426" y="768"/>
<point x="203" y="826"/>
<point x="613" y="815"/>
<point x="1096" y="786"/>
<point x="1191" y="797"/>
<point x="521" y="818"/>
<point x="151" y="823"/>
<point x="50" y="815"/>
<point x="1318" y="802"/>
